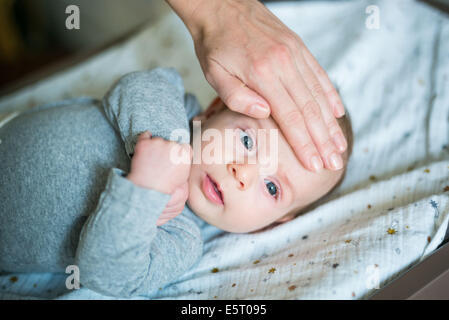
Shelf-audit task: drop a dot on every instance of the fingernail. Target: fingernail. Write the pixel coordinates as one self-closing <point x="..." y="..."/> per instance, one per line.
<point x="336" y="161"/>
<point x="317" y="164"/>
<point x="340" y="142"/>
<point x="340" y="111"/>
<point x="258" y="110"/>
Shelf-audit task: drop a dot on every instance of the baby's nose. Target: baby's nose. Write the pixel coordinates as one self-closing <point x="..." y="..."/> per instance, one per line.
<point x="244" y="174"/>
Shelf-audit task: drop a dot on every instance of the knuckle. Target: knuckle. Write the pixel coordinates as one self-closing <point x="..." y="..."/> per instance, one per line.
<point x="333" y="127"/>
<point x="261" y="67"/>
<point x="317" y="90"/>
<point x="281" y="52"/>
<point x="327" y="146"/>
<point x="307" y="147"/>
<point x="292" y="118"/>
<point x="311" y="111"/>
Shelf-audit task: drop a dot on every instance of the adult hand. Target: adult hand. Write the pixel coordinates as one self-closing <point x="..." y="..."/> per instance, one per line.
<point x="257" y="66"/>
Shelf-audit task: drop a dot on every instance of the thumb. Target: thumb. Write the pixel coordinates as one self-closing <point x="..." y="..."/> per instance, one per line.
<point x="236" y="95"/>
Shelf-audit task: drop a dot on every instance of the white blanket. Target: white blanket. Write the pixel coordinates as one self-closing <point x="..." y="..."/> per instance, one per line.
<point x="392" y="209"/>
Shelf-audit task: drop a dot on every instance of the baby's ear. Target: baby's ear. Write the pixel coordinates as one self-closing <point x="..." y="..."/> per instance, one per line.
<point x="214" y="107"/>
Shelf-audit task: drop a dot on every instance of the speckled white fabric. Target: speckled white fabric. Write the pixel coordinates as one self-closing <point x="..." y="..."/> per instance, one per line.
<point x="392" y="209"/>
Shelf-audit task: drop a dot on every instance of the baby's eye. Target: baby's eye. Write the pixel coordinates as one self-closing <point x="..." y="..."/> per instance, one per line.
<point x="272" y="188"/>
<point x="246" y="140"/>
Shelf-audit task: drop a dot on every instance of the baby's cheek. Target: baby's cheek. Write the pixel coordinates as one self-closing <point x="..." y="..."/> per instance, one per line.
<point x="246" y="217"/>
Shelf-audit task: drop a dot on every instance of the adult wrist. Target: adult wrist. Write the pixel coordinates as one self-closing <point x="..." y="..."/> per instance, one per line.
<point x="195" y="13"/>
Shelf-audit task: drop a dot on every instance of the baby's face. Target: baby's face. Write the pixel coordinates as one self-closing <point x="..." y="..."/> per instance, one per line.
<point x="256" y="180"/>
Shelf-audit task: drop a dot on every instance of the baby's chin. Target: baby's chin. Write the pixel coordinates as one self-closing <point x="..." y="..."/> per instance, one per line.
<point x="200" y="206"/>
<point x="200" y="212"/>
<point x="236" y="228"/>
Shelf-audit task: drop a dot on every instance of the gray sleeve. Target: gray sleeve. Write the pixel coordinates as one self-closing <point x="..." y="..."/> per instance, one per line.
<point x="147" y="100"/>
<point x="123" y="253"/>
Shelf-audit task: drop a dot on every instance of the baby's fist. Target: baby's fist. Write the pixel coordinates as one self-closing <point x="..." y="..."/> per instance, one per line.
<point x="159" y="164"/>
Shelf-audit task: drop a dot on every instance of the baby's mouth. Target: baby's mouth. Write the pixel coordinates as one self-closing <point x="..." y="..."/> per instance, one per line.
<point x="212" y="190"/>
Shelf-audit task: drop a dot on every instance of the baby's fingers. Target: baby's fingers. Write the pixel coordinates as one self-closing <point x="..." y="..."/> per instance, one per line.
<point x="175" y="205"/>
<point x="169" y="214"/>
<point x="144" y="135"/>
<point x="178" y="196"/>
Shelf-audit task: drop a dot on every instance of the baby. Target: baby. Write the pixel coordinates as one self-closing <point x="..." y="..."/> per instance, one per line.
<point x="98" y="184"/>
<point x="250" y="195"/>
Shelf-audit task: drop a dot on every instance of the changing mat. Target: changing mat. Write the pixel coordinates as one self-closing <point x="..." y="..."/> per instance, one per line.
<point x="392" y="209"/>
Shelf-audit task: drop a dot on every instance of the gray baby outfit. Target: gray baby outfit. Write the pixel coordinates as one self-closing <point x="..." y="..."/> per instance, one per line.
<point x="64" y="198"/>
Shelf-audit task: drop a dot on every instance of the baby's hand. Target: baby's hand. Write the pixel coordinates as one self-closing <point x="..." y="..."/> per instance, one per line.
<point x="175" y="205"/>
<point x="164" y="166"/>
